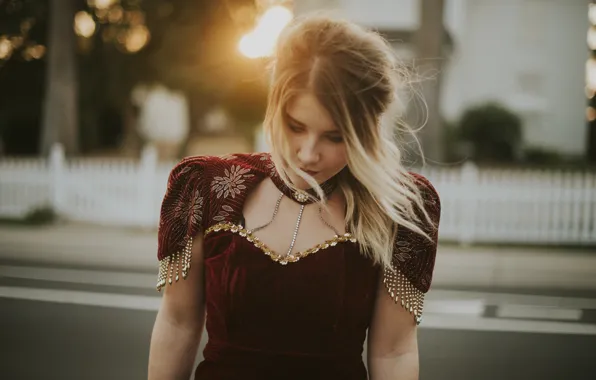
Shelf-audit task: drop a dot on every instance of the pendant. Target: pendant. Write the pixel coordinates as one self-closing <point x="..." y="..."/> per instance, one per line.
<point x="300" y="196"/>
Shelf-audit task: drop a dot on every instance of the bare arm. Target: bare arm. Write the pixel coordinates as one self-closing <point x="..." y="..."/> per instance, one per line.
<point x="392" y="341"/>
<point x="179" y="323"/>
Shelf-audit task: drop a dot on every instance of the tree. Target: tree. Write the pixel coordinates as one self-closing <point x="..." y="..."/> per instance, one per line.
<point x="493" y="131"/>
<point x="60" y="110"/>
<point x="429" y="44"/>
<point x="192" y="47"/>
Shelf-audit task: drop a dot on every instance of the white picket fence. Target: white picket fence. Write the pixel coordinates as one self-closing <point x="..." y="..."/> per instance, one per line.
<point x="125" y="192"/>
<point x="478" y="205"/>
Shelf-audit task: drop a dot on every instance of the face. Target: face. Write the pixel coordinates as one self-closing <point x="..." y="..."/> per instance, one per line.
<point x="316" y="144"/>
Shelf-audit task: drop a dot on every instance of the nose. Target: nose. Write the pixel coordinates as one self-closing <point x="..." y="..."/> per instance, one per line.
<point x="308" y="153"/>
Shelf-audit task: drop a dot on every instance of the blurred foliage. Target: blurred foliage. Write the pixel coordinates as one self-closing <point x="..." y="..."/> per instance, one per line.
<point x="545" y="157"/>
<point x="493" y="132"/>
<point x="193" y="48"/>
<point x="542" y="156"/>
<point x="41" y="215"/>
<point x="38" y="216"/>
<point x="455" y="147"/>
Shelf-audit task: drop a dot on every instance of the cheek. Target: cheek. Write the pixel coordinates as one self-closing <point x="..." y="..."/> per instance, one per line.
<point x="337" y="156"/>
<point x="293" y="144"/>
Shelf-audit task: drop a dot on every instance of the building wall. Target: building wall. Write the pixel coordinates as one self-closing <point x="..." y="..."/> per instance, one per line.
<point x="383" y="14"/>
<point x="527" y="54"/>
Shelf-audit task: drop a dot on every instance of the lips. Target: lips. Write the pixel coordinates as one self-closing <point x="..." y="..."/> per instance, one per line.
<point x="309" y="172"/>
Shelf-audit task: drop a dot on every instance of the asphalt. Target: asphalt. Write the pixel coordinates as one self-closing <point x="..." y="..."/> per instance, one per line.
<point x="457" y="267"/>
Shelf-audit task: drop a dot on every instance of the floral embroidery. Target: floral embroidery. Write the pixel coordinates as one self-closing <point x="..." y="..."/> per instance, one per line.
<point x="231" y="183"/>
<point x="228" y="157"/>
<point x="402" y="251"/>
<point x="190" y="210"/>
<point x="185" y="170"/>
<point x="270" y="165"/>
<point x="223" y="214"/>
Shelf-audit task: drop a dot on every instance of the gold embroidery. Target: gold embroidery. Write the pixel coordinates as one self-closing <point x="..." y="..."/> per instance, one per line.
<point x="270" y="165"/>
<point x="403" y="292"/>
<point x="282" y="259"/>
<point x="228" y="157"/>
<point x="170" y="266"/>
<point x="231" y="184"/>
<point x="403" y="250"/>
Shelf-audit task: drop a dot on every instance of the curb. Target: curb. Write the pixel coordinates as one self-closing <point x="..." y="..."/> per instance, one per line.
<point x="134" y="251"/>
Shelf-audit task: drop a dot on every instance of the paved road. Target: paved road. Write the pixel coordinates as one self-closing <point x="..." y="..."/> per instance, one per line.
<point x="91" y="332"/>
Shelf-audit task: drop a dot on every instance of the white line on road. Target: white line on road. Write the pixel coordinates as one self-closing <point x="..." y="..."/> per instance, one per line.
<point x="460" y="302"/>
<point x="80" y="276"/>
<point x="75" y="297"/>
<point x="431" y="320"/>
<point x="538" y="312"/>
<point x="450" y="322"/>
<point x="497" y="299"/>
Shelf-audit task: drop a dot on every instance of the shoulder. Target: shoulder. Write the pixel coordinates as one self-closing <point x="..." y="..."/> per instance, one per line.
<point x="430" y="195"/>
<point x="205" y="168"/>
<point x="414" y="253"/>
<point x="425" y="186"/>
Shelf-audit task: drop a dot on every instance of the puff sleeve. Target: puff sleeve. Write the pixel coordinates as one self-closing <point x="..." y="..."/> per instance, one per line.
<point x="181" y="218"/>
<point x="414" y="255"/>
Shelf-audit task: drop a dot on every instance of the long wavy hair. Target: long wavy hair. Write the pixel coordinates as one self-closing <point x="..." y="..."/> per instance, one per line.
<point x="354" y="74"/>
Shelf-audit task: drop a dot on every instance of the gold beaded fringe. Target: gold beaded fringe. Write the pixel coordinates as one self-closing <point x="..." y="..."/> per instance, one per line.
<point x="282" y="259"/>
<point x="404" y="293"/>
<point x="170" y="267"/>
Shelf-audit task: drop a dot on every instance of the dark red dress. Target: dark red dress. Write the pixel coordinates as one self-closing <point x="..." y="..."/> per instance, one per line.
<point x="268" y="318"/>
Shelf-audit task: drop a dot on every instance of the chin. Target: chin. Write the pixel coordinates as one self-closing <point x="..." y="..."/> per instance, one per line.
<point x="300" y="183"/>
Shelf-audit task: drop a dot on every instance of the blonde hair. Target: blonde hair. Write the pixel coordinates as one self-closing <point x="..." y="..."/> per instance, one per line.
<point x="355" y="76"/>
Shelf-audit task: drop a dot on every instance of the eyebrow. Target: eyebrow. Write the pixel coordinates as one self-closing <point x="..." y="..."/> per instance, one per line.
<point x="329" y="132"/>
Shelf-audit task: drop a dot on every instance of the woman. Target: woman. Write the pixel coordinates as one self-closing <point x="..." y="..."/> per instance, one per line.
<point x="291" y="257"/>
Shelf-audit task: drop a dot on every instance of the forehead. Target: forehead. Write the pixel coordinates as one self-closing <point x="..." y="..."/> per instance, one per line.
<point x="306" y="109"/>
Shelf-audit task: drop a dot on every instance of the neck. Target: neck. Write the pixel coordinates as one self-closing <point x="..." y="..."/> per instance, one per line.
<point x="300" y="196"/>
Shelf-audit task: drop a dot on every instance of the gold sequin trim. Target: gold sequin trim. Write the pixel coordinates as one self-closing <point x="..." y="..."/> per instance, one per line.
<point x="404" y="293"/>
<point x="171" y="267"/>
<point x="282" y="259"/>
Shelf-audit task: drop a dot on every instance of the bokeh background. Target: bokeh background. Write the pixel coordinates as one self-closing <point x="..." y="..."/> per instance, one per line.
<point x="100" y="98"/>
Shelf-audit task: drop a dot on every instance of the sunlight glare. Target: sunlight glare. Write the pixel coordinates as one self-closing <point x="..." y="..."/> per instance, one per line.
<point x="261" y="41"/>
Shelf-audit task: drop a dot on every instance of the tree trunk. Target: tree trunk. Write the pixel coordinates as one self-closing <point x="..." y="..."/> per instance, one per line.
<point x="60" y="112"/>
<point x="429" y="47"/>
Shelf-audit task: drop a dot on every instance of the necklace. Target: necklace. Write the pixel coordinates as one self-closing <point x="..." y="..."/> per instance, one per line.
<point x="301" y="196"/>
<point x="298" y="220"/>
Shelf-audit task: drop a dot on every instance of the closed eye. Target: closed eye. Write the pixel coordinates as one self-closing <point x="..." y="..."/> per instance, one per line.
<point x="294" y="128"/>
<point x="335" y="139"/>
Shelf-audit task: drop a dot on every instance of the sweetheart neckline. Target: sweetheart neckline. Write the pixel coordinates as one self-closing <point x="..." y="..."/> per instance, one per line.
<point x="282" y="259"/>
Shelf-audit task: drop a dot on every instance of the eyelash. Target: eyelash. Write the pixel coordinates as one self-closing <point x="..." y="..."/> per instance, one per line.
<point x="294" y="128"/>
<point x="333" y="139"/>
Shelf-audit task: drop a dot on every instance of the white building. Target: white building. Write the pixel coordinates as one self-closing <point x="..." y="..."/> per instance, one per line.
<point x="527" y="54"/>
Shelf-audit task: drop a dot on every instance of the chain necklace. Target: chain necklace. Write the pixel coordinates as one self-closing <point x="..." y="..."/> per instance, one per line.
<point x="298" y="221"/>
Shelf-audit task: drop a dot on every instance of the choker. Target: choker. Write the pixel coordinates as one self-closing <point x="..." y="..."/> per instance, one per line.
<point x="300" y="196"/>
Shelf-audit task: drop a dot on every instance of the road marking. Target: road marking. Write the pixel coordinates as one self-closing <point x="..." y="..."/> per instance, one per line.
<point x="497" y="299"/>
<point x="448" y="301"/>
<point x="538" y="312"/>
<point x="75" y="297"/>
<point x="456" y="307"/>
<point x="450" y="322"/>
<point x="80" y="276"/>
<point x="431" y="320"/>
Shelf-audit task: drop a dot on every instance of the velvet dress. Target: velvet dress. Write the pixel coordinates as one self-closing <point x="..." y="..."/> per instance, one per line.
<point x="303" y="316"/>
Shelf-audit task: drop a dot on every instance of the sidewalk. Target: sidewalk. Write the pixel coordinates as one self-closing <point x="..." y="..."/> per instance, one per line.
<point x="128" y="250"/>
<point x="80" y="246"/>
